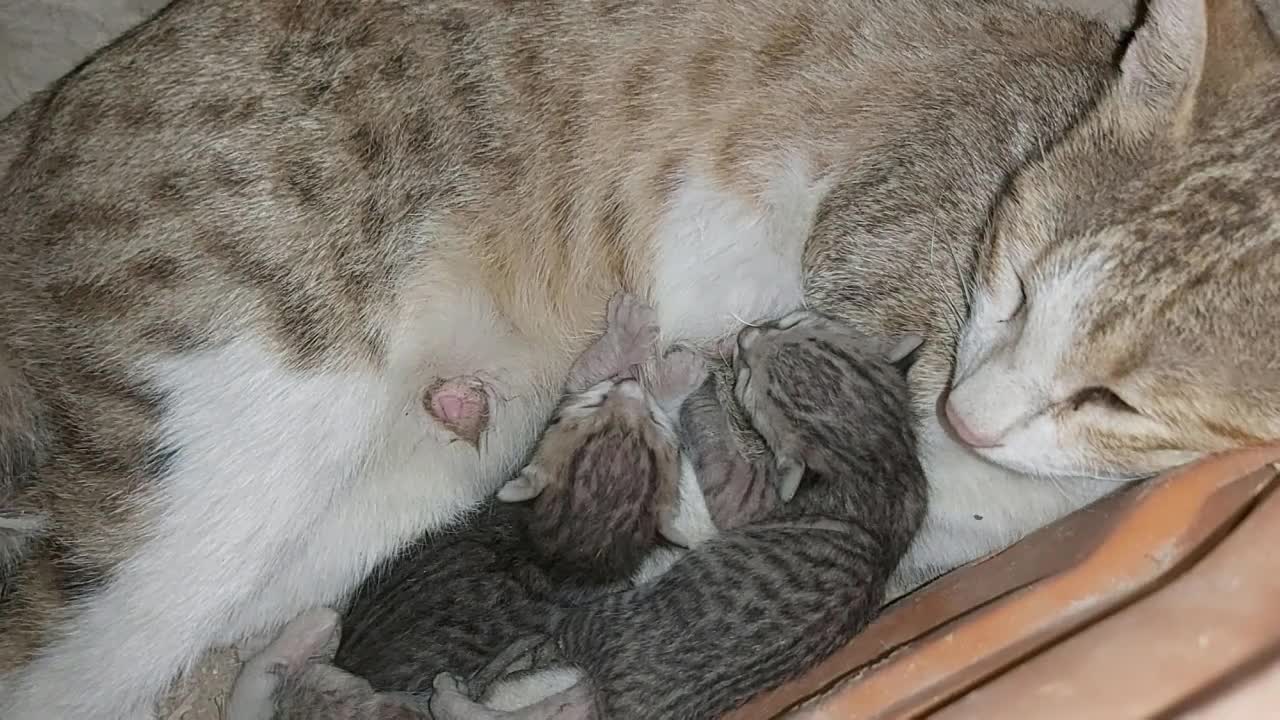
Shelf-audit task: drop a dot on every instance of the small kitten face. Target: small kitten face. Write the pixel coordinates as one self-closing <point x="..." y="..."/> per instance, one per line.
<point x="807" y="364"/>
<point x="1123" y="319"/>
<point x="616" y="401"/>
<point x="608" y="466"/>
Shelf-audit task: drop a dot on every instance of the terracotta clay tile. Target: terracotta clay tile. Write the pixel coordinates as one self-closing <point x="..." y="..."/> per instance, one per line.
<point x="1045" y="552"/>
<point x="984" y="618"/>
<point x="1251" y="694"/>
<point x="1153" y="655"/>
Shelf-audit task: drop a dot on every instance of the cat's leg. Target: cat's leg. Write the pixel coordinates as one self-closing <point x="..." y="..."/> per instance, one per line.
<point x="523" y="654"/>
<point x="629" y="339"/>
<point x="293" y="678"/>
<point x="657" y="564"/>
<point x="311" y="637"/>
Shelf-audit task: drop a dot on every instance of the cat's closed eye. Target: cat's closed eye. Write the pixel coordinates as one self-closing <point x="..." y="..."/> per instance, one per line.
<point x="1102" y="397"/>
<point x="1022" y="300"/>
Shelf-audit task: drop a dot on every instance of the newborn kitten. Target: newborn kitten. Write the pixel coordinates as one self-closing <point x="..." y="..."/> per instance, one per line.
<point x="620" y="466"/>
<point x="754" y="607"/>
<point x="605" y="479"/>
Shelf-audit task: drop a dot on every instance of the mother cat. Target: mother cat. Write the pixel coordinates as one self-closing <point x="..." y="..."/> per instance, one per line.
<point x="263" y="263"/>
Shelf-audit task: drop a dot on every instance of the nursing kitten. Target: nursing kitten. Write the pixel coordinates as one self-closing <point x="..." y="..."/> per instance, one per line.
<point x="264" y="263"/>
<point x="739" y="486"/>
<point x="754" y="607"/>
<point x="607" y="479"/>
<point x="621" y="465"/>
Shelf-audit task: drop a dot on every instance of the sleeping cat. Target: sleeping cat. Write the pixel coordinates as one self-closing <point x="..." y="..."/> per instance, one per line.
<point x="751" y="608"/>
<point x="266" y="263"/>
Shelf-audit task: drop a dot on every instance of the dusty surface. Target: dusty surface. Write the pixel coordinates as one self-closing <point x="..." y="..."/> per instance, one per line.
<point x="202" y="696"/>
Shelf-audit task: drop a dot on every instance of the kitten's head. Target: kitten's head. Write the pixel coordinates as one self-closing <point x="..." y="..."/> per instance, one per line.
<point x="807" y="382"/>
<point x="604" y="470"/>
<point x="1123" y="319"/>
<point x="622" y="404"/>
<point x="614" y="424"/>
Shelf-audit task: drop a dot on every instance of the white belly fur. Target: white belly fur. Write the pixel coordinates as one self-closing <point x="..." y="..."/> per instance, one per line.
<point x="286" y="489"/>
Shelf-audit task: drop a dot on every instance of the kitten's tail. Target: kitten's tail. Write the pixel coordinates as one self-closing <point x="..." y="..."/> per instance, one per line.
<point x="21" y="448"/>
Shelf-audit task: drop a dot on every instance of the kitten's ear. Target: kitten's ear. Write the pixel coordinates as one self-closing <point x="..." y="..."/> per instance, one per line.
<point x="525" y="486"/>
<point x="790" y="473"/>
<point x="903" y="354"/>
<point x="1161" y="67"/>
<point x="1187" y="51"/>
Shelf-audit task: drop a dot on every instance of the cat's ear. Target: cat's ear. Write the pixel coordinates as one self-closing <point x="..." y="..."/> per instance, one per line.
<point x="904" y="352"/>
<point x="522" y="487"/>
<point x="1161" y="67"/>
<point x="790" y="473"/>
<point x="1185" y="52"/>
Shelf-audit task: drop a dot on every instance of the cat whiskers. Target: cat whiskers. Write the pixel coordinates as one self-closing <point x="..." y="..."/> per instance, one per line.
<point x="956" y="320"/>
<point x="743" y="322"/>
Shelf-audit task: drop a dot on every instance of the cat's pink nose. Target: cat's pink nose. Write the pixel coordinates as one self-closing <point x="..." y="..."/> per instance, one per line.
<point x="964" y="432"/>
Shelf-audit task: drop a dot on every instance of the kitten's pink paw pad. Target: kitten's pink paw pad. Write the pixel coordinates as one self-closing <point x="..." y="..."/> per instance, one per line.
<point x="461" y="405"/>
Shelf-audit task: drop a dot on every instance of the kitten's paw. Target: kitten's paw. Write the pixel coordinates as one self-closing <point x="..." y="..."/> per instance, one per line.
<point x="676" y="375"/>
<point x="633" y="326"/>
<point x="451" y="700"/>
<point x="687" y="521"/>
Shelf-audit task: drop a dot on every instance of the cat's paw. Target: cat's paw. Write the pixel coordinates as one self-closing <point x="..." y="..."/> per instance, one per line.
<point x="523" y="654"/>
<point x="632" y="325"/>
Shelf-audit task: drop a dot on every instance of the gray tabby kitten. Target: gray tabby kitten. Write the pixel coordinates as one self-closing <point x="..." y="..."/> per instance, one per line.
<point x="736" y="615"/>
<point x="608" y="480"/>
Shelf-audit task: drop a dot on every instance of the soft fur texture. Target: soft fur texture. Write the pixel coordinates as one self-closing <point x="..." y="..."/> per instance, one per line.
<point x="238" y="245"/>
